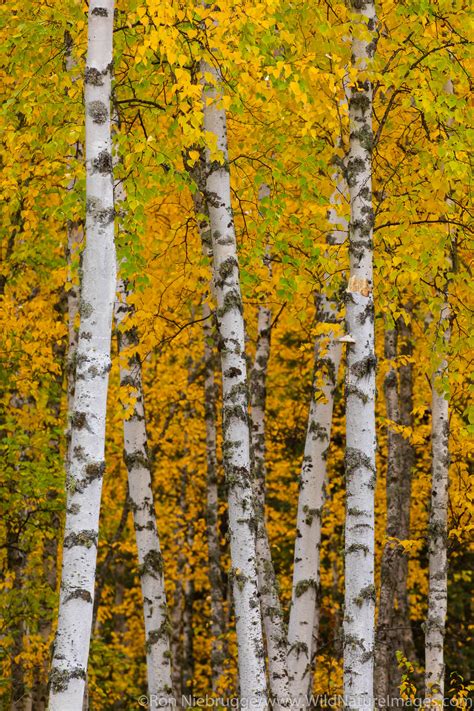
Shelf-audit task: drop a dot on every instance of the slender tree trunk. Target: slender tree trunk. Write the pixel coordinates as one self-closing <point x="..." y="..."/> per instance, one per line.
<point x="272" y="615"/>
<point x="177" y="620"/>
<point x="183" y="612"/>
<point x="212" y="503"/>
<point x="393" y="630"/>
<point x="303" y="612"/>
<point x="236" y="432"/>
<point x="435" y="623"/>
<point x="155" y="609"/>
<point x="218" y="622"/>
<point x="360" y="381"/>
<point x="16" y="561"/>
<point x="188" y="619"/>
<point x="390" y="566"/>
<point x="405" y="377"/>
<point x="86" y="466"/>
<point x="438" y="533"/>
<point x="140" y="496"/>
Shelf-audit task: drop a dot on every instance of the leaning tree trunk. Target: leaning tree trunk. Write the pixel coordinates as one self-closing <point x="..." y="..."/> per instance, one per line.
<point x="360" y="379"/>
<point x="303" y="626"/>
<point x="270" y="605"/>
<point x="86" y="462"/>
<point x="155" y="609"/>
<point x="438" y="532"/>
<point x="272" y="615"/>
<point x="303" y="614"/>
<point x="236" y="432"/>
<point x="218" y="622"/>
<point x="140" y="490"/>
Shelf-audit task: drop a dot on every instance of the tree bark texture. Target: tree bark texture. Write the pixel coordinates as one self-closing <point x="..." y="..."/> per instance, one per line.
<point x="310" y="504"/>
<point x="304" y="612"/>
<point x="393" y="631"/>
<point x="438" y="532"/>
<point x="86" y="461"/>
<point x="360" y="379"/>
<point x="236" y="431"/>
<point x="155" y="609"/>
<point x="272" y="614"/>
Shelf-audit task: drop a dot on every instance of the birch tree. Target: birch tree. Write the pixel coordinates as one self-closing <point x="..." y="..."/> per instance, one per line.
<point x="438" y="529"/>
<point x="304" y="611"/>
<point x="272" y="614"/>
<point x="236" y="433"/>
<point x="86" y="462"/>
<point x="198" y="172"/>
<point x="360" y="378"/>
<point x="140" y="492"/>
<point x="155" y="609"/>
<point x="435" y="623"/>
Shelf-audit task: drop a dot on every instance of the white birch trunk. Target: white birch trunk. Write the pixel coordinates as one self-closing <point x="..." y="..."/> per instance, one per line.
<point x="438" y="535"/>
<point x="304" y="613"/>
<point x="310" y="504"/>
<point x="218" y="626"/>
<point x="86" y="462"/>
<point x="272" y="615"/>
<point x="136" y="456"/>
<point x="236" y="432"/>
<point x="360" y="381"/>
<point x="155" y="609"/>
<point x="438" y="523"/>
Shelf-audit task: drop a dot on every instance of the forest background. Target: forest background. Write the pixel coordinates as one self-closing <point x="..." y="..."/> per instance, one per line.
<point x="285" y="74"/>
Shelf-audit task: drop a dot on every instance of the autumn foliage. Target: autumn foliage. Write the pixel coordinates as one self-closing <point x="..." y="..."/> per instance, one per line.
<point x="286" y="73"/>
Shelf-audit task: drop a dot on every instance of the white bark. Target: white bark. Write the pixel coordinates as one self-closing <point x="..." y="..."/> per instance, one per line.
<point x="86" y="465"/>
<point x="236" y="432"/>
<point x="218" y="626"/>
<point x="438" y="534"/>
<point x="304" y="612"/>
<point x="360" y="381"/>
<point x="438" y="523"/>
<point x="140" y="491"/>
<point x="155" y="607"/>
<point x="272" y="615"/>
